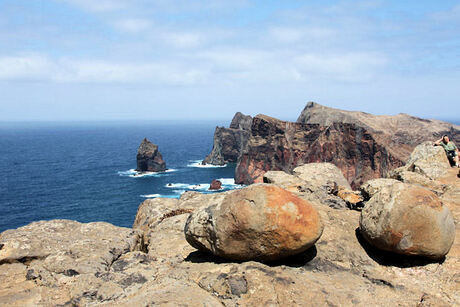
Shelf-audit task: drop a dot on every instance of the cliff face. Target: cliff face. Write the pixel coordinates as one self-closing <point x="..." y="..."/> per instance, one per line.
<point x="362" y="145"/>
<point x="279" y="145"/>
<point x="399" y="133"/>
<point x="149" y="159"/>
<point x="230" y="142"/>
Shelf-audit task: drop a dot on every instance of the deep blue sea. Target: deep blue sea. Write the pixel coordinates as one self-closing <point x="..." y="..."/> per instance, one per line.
<point x="85" y="171"/>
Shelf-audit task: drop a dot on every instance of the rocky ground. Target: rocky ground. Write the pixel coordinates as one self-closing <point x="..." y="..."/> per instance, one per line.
<point x="66" y="263"/>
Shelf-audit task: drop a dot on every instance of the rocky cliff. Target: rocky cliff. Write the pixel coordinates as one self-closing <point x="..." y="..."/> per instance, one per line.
<point x="230" y="142"/>
<point x="362" y="145"/>
<point x="149" y="159"/>
<point x="66" y="263"/>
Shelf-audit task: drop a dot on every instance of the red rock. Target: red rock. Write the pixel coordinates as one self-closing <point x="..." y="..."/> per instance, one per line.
<point x="215" y="185"/>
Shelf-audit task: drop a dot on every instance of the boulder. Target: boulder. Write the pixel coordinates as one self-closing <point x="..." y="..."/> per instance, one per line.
<point x="149" y="159"/>
<point x="314" y="190"/>
<point x="373" y="186"/>
<point x="428" y="160"/>
<point x="409" y="220"/>
<point x="322" y="174"/>
<point x="282" y="179"/>
<point x="260" y="222"/>
<point x="215" y="185"/>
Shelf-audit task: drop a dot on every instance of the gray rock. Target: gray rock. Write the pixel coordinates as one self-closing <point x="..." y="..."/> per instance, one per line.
<point x="373" y="186"/>
<point x="428" y="160"/>
<point x="322" y="174"/>
<point x="408" y="220"/>
<point x="149" y="159"/>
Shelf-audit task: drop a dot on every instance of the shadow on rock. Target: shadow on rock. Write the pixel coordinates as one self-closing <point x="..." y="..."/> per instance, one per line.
<point x="298" y="260"/>
<point x="392" y="259"/>
<point x="202" y="257"/>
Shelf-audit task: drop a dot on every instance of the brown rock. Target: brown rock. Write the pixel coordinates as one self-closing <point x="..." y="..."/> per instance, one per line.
<point x="262" y="222"/>
<point x="215" y="185"/>
<point x="353" y="199"/>
<point x="408" y="220"/>
<point x="362" y="145"/>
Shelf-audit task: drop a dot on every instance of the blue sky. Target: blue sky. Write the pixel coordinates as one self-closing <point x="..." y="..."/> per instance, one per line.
<point x="185" y="59"/>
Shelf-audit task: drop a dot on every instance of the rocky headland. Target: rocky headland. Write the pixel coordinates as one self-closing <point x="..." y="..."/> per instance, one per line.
<point x="149" y="159"/>
<point x="362" y="145"/>
<point x="292" y="241"/>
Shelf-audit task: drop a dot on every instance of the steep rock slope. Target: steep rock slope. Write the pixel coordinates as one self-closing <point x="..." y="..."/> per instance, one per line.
<point x="280" y="145"/>
<point x="230" y="142"/>
<point x="362" y="145"/>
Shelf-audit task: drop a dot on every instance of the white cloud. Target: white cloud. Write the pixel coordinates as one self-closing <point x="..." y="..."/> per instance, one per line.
<point x="292" y="35"/>
<point x="182" y="39"/>
<point x="65" y="70"/>
<point x="221" y="65"/>
<point x="133" y="24"/>
<point x="99" y="5"/>
<point x="357" y="66"/>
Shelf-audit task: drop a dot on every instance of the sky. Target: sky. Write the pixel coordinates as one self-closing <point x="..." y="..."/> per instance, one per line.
<point x="71" y="60"/>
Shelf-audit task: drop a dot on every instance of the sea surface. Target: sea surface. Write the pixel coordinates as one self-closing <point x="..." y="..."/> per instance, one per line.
<point x="85" y="171"/>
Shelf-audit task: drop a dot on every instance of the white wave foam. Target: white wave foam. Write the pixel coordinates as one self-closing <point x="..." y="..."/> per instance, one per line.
<point x="151" y="195"/>
<point x="135" y="174"/>
<point x="227" y="184"/>
<point x="190" y="187"/>
<point x="160" y="196"/>
<point x="198" y="163"/>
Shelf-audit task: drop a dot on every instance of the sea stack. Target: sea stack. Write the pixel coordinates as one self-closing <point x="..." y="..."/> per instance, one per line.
<point x="149" y="159"/>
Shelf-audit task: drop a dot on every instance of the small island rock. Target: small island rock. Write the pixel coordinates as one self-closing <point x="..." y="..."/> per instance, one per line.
<point x="261" y="222"/>
<point x="215" y="185"/>
<point x="149" y="159"/>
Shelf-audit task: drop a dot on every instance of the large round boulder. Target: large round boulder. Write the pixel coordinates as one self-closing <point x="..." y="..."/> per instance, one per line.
<point x="409" y="220"/>
<point x="261" y="222"/>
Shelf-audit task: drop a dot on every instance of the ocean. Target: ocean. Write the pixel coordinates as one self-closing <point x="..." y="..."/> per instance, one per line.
<point x="85" y="171"/>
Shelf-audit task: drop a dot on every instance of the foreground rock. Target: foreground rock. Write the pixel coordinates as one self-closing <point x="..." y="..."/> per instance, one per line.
<point x="57" y="262"/>
<point x="317" y="182"/>
<point x="339" y="270"/>
<point x="149" y="159"/>
<point x="408" y="220"/>
<point x="427" y="160"/>
<point x="261" y="222"/>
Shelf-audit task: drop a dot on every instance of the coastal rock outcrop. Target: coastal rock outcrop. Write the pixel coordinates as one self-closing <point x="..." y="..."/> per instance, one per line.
<point x="149" y="159"/>
<point x="408" y="220"/>
<point x="261" y="222"/>
<point x="362" y="145"/>
<point x="280" y="145"/>
<point x="230" y="142"/>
